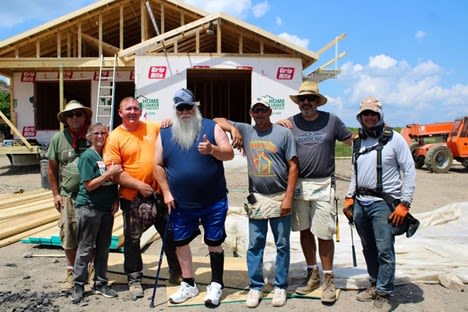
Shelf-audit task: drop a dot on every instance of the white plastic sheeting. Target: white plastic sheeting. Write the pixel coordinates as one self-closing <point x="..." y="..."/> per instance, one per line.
<point x="439" y="248"/>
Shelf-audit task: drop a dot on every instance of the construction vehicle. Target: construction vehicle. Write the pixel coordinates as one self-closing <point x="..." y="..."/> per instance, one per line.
<point x="420" y="137"/>
<point x="437" y="145"/>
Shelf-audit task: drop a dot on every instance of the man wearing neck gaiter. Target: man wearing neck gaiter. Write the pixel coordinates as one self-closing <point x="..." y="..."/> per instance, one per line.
<point x="64" y="178"/>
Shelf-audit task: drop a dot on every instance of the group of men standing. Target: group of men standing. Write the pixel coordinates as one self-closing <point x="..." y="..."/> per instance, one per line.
<point x="291" y="167"/>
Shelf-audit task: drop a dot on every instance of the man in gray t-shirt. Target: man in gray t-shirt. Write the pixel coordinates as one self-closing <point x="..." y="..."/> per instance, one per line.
<point x="313" y="214"/>
<point x="273" y="171"/>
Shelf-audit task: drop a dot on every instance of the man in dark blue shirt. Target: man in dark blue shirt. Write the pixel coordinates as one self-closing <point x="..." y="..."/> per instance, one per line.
<point x="189" y="168"/>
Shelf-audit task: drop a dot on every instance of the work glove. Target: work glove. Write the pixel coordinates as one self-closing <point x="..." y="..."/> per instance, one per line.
<point x="348" y="204"/>
<point x="399" y="214"/>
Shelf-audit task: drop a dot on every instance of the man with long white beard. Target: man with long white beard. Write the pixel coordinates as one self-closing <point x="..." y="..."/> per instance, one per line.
<point x="189" y="159"/>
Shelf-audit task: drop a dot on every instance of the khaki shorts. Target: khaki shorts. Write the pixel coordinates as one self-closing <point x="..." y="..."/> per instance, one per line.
<point x="67" y="224"/>
<point x="316" y="215"/>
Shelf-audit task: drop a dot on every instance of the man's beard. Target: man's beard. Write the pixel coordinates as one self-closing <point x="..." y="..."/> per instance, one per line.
<point x="185" y="131"/>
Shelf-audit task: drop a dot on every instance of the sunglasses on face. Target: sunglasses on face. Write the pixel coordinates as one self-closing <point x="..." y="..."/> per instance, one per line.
<point x="183" y="107"/>
<point x="260" y="110"/>
<point x="310" y="98"/>
<point x="77" y="114"/>
<point x="369" y="113"/>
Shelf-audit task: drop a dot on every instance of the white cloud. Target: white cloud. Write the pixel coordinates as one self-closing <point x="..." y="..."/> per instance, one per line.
<point x="278" y="21"/>
<point x="260" y="9"/>
<point x="295" y="39"/>
<point x="420" y="35"/>
<point x="409" y="93"/>
<point x="381" y="61"/>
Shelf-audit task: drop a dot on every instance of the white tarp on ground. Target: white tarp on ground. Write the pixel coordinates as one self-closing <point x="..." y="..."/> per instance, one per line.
<point x="439" y="248"/>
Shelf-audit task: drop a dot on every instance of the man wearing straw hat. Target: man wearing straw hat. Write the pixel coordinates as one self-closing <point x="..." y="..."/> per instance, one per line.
<point x="64" y="178"/>
<point x="316" y="132"/>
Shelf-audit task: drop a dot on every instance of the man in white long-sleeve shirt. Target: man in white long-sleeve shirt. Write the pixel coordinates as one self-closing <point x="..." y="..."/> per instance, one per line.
<point x="375" y="220"/>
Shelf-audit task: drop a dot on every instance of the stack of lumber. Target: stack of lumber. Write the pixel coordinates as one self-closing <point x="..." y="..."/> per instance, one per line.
<point x="25" y="214"/>
<point x="31" y="217"/>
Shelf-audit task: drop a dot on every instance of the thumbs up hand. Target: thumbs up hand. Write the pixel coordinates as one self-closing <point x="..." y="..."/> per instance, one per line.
<point x="205" y="147"/>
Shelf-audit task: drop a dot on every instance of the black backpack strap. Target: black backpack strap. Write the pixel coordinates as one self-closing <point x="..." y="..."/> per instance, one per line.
<point x="386" y="135"/>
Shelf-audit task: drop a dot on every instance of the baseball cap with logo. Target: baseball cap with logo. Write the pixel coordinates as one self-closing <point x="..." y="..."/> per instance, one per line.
<point x="184" y="96"/>
<point x="260" y="100"/>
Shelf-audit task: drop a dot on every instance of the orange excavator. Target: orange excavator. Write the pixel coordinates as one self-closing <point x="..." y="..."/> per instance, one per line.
<point x="436" y="145"/>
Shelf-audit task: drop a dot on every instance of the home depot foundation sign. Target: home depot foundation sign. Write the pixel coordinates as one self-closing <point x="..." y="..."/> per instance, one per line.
<point x="149" y="108"/>
<point x="276" y="104"/>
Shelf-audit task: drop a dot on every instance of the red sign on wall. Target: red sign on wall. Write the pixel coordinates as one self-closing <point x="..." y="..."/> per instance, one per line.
<point x="285" y="73"/>
<point x="29" y="131"/>
<point x="28" y="76"/>
<point x="104" y="73"/>
<point x="157" y="72"/>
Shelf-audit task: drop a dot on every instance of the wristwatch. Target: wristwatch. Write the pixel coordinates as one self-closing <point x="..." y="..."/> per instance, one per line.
<point x="406" y="203"/>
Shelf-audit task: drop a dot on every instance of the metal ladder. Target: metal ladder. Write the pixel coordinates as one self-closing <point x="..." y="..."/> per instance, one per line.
<point x="105" y="95"/>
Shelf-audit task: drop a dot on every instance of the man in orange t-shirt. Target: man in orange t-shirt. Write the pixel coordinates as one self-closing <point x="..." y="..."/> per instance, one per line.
<point x="131" y="145"/>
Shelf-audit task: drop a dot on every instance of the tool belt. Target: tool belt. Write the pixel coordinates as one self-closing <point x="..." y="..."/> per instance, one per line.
<point x="409" y="225"/>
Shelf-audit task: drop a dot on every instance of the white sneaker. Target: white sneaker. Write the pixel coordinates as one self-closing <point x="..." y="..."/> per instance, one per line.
<point x="279" y="297"/>
<point x="213" y="294"/>
<point x="184" y="292"/>
<point x="253" y="298"/>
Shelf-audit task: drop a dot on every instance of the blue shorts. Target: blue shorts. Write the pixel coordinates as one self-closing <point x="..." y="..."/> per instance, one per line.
<point x="185" y="223"/>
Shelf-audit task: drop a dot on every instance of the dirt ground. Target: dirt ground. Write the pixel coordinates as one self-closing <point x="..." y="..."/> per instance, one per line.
<point x="34" y="281"/>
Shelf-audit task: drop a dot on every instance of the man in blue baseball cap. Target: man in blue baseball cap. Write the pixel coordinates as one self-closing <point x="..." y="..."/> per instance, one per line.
<point x="189" y="168"/>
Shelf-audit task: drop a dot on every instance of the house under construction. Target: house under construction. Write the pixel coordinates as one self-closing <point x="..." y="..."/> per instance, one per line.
<point x="147" y="48"/>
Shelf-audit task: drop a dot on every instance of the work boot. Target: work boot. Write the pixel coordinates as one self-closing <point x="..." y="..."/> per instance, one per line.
<point x="77" y="294"/>
<point x="382" y="304"/>
<point x="136" y="291"/>
<point x="67" y="285"/>
<point x="368" y="294"/>
<point x="312" y="284"/>
<point x="328" y="291"/>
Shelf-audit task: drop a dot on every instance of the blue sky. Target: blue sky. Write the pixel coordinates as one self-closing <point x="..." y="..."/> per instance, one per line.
<point x="409" y="53"/>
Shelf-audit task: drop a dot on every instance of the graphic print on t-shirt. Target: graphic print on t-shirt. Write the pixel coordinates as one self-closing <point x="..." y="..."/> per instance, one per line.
<point x="261" y="160"/>
<point x="310" y="138"/>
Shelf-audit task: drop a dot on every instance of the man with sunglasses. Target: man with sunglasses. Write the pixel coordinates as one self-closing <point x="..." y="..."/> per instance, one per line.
<point x="63" y="175"/>
<point x="316" y="132"/>
<point x="189" y="168"/>
<point x="131" y="145"/>
<point x="273" y="171"/>
<point x="395" y="175"/>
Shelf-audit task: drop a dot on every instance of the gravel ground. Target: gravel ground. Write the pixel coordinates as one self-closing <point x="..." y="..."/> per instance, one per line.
<point x="32" y="283"/>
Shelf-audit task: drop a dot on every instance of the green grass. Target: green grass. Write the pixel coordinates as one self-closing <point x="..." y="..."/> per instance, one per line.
<point x="342" y="150"/>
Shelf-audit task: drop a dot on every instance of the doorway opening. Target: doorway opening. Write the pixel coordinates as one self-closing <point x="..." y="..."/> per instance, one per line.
<point x="222" y="92"/>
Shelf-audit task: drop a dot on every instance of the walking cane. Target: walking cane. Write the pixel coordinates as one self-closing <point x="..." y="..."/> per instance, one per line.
<point x="158" y="271"/>
<point x="352" y="245"/>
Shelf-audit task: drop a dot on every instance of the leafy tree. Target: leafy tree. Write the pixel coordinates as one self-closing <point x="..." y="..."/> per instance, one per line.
<point x="4" y="106"/>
